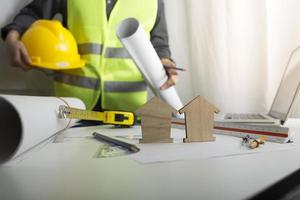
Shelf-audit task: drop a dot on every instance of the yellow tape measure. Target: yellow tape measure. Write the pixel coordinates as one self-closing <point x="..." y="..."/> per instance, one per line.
<point x="107" y="117"/>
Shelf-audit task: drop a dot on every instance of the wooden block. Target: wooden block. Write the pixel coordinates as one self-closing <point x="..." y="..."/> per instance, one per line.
<point x="188" y="140"/>
<point x="168" y="140"/>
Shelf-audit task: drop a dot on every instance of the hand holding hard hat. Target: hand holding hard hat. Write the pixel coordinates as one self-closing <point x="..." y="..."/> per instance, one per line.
<point x="18" y="54"/>
<point x="49" y="45"/>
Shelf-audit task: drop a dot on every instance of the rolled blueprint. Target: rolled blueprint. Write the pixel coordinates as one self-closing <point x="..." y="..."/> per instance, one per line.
<point x="135" y="40"/>
<point x="26" y="121"/>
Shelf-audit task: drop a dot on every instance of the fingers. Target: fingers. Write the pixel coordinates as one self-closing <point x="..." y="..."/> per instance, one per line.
<point x="20" y="57"/>
<point x="171" y="72"/>
<point x="25" y="58"/>
<point x="18" y="53"/>
<point x="172" y="80"/>
<point x="167" y="84"/>
<point x="167" y="62"/>
<point x="24" y="55"/>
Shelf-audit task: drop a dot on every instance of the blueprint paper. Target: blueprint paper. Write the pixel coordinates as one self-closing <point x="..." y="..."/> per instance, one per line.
<point x="26" y="121"/>
<point x="137" y="43"/>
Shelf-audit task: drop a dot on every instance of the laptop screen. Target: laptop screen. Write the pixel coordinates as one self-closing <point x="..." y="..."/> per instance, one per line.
<point x="288" y="88"/>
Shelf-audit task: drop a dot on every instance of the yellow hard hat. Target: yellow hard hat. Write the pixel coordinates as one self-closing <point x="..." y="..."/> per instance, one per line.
<point x="51" y="46"/>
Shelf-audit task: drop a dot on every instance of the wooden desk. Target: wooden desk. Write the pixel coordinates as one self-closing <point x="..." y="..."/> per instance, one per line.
<point x="68" y="170"/>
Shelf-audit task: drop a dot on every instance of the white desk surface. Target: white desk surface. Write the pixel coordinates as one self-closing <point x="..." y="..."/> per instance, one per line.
<point x="68" y="170"/>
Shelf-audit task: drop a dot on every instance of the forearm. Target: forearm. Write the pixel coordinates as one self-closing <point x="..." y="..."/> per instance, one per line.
<point x="20" y="24"/>
<point x="159" y="33"/>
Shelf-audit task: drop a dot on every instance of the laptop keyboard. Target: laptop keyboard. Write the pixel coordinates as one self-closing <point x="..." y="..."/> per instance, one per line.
<point x="244" y="116"/>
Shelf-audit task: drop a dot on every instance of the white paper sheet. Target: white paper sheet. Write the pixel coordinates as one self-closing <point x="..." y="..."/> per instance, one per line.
<point x="223" y="146"/>
<point x="152" y="153"/>
<point x="135" y="40"/>
<point x="26" y="121"/>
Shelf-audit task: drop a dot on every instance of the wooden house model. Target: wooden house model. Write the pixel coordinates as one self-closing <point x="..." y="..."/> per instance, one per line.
<point x="199" y="120"/>
<point x="156" y="118"/>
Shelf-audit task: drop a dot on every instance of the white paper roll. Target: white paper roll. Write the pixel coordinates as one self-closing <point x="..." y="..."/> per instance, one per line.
<point x="26" y="121"/>
<point x="135" y="40"/>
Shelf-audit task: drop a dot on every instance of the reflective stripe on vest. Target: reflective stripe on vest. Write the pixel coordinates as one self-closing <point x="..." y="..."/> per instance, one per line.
<point x="80" y="81"/>
<point x="90" y="48"/>
<point x="113" y="86"/>
<point x="92" y="83"/>
<point x="111" y="52"/>
<point x="116" y="53"/>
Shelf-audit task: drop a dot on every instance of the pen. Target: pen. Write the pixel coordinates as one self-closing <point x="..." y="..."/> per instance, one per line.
<point x="130" y="147"/>
<point x="176" y="68"/>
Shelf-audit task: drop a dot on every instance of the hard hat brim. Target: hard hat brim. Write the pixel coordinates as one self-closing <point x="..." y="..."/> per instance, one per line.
<point x="61" y="66"/>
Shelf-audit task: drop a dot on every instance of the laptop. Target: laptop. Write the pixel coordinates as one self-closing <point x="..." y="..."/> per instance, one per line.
<point x="284" y="99"/>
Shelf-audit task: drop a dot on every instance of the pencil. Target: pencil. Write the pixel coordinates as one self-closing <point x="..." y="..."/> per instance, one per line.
<point x="130" y="147"/>
<point x="176" y="68"/>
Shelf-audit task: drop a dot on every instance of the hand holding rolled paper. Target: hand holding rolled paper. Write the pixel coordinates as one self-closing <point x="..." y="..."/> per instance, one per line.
<point x="171" y="72"/>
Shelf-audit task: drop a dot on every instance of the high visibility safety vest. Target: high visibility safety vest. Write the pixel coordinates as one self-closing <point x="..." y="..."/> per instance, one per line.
<point x="110" y="73"/>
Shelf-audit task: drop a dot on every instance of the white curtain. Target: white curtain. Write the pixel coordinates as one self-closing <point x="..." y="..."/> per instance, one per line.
<point x="238" y="50"/>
